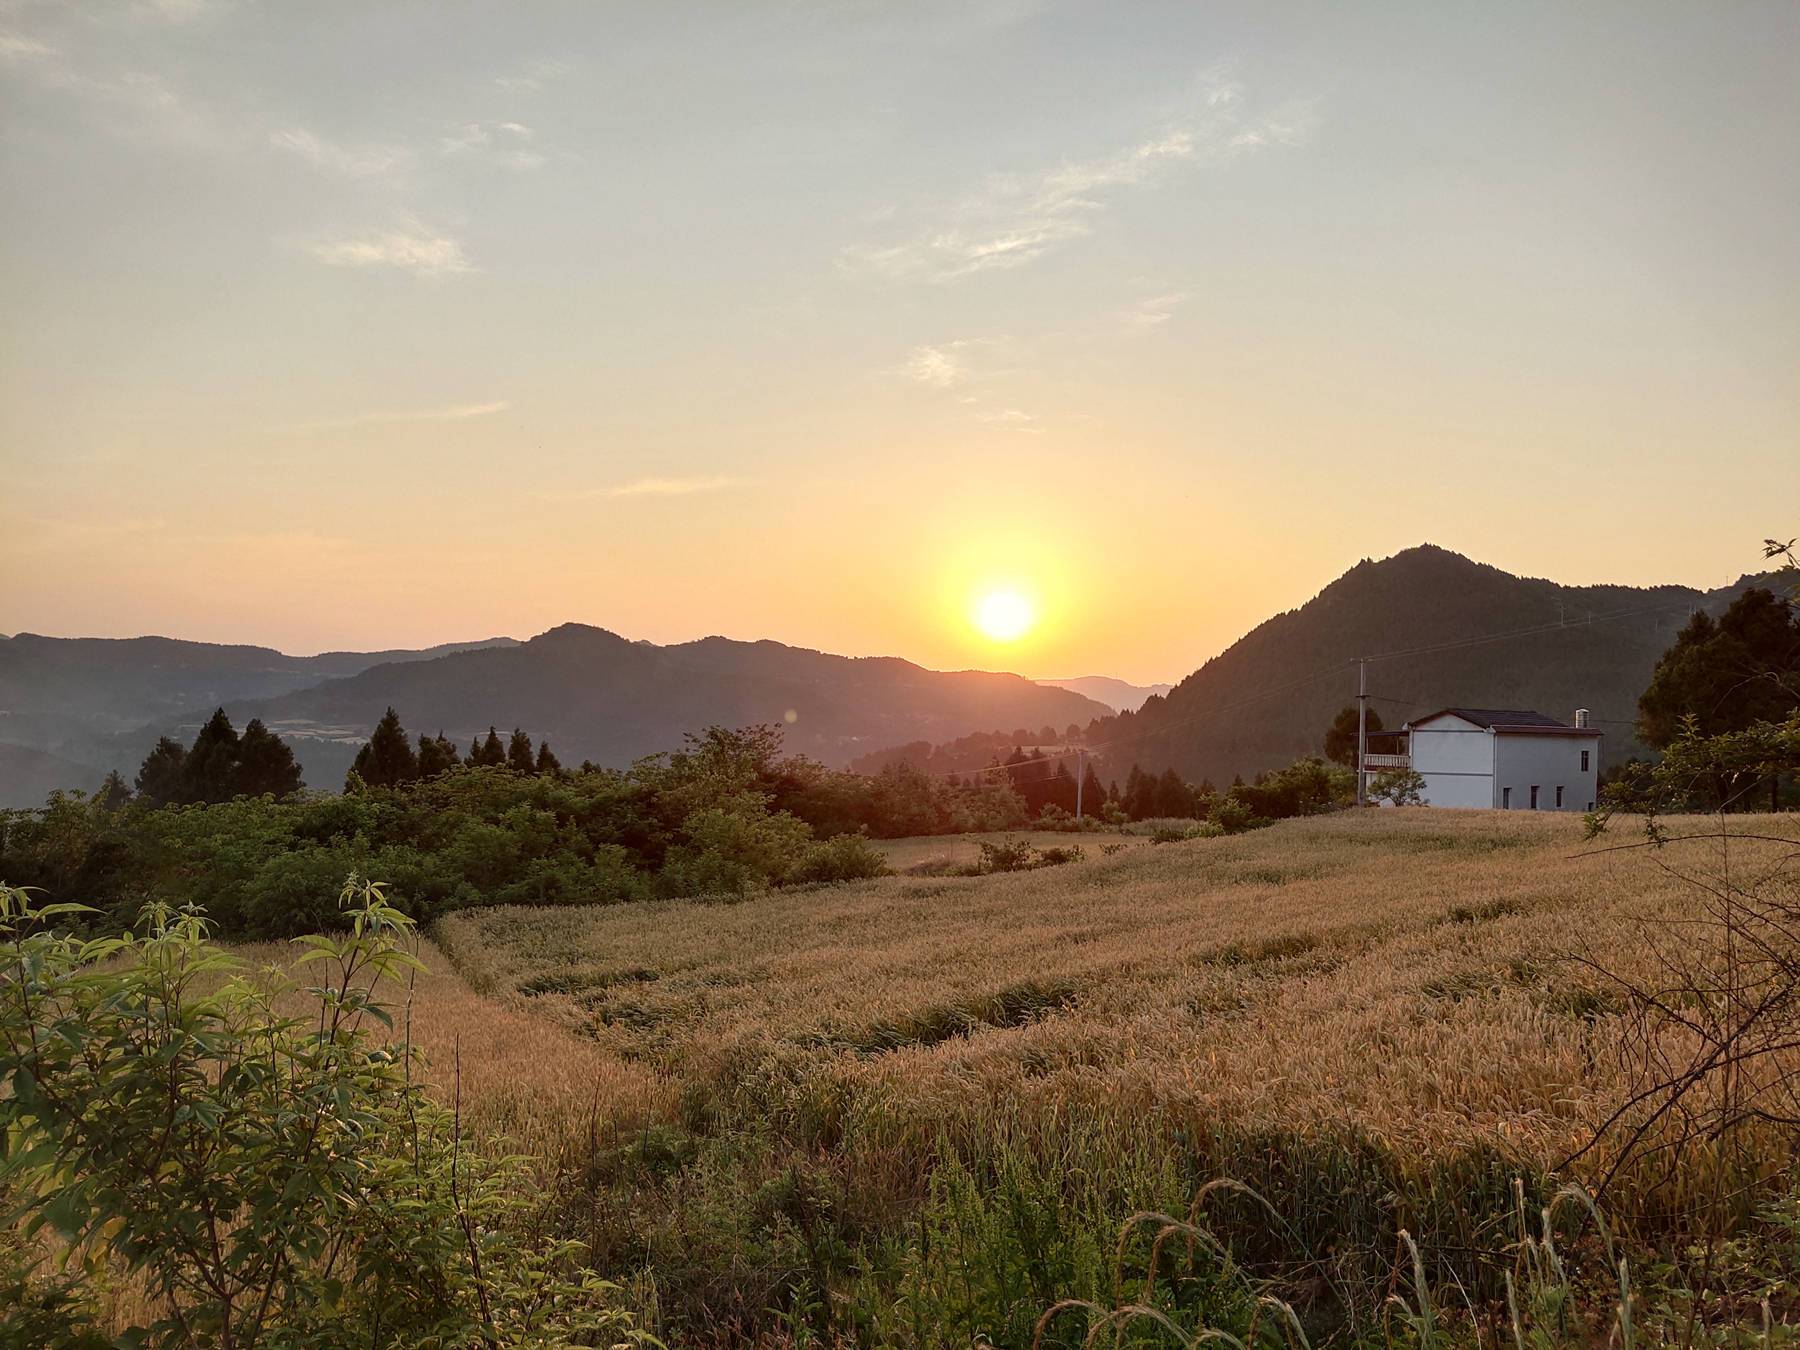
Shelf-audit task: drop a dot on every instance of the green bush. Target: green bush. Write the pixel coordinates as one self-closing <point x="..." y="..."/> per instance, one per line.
<point x="267" y="1180"/>
<point x="848" y="857"/>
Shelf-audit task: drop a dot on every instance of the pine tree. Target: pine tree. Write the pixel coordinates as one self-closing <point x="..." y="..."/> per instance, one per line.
<point x="1173" y="796"/>
<point x="113" y="794"/>
<point x="388" y="757"/>
<point x="436" y="755"/>
<point x="266" y="766"/>
<point x="547" y="763"/>
<point x="489" y="752"/>
<point x="1140" y="794"/>
<point x="209" y="774"/>
<point x="159" y="777"/>
<point x="518" y="753"/>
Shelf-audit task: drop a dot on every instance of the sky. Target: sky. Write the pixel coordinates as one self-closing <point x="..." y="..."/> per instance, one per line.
<point x="332" y="326"/>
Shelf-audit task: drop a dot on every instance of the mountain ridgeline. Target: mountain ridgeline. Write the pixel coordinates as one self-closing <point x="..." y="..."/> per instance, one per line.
<point x="1445" y="630"/>
<point x="72" y="708"/>
<point x="597" y="696"/>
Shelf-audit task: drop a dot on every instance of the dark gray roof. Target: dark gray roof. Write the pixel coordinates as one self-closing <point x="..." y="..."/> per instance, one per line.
<point x="1505" y="717"/>
<point x="1508" y="719"/>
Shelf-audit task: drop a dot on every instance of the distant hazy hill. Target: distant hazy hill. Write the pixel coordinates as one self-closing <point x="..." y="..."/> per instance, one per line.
<point x="597" y="696"/>
<point x="1115" y="694"/>
<point x="97" y="703"/>
<point x="1270" y="696"/>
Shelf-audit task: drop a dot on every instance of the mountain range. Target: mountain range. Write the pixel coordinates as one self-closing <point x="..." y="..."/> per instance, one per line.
<point x="70" y="709"/>
<point x="1118" y="695"/>
<point x="1440" y="630"/>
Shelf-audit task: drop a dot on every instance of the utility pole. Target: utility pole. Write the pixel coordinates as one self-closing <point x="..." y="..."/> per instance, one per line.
<point x="1362" y="725"/>
<point x="1080" y="773"/>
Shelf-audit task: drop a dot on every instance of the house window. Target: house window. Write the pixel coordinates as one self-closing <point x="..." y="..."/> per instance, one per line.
<point x="1534" y="796"/>
<point x="1506" y="799"/>
<point x="1559" y="796"/>
<point x="1584" y="760"/>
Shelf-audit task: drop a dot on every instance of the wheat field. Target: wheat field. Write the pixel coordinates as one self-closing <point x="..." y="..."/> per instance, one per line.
<point x="1414" y="975"/>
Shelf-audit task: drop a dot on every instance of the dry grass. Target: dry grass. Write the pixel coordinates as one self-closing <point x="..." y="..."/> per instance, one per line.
<point x="941" y="852"/>
<point x="1407" y="975"/>
<point x="548" y="1090"/>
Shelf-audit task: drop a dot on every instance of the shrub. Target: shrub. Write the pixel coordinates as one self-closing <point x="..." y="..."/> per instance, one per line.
<point x="266" y="1180"/>
<point x="847" y="857"/>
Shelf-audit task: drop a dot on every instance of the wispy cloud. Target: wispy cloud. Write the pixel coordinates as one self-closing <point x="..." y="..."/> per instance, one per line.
<point x="532" y="76"/>
<point x="1013" y="419"/>
<point x="667" y="487"/>
<point x="507" y="148"/>
<point x="456" y="412"/>
<point x="412" y="248"/>
<point x="1155" y="311"/>
<point x="940" y="367"/>
<point x="1014" y="219"/>
<point x="18" y="47"/>
<point x="349" y="161"/>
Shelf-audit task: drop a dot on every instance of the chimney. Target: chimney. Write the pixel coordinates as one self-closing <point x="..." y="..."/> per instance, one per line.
<point x="1581" y="717"/>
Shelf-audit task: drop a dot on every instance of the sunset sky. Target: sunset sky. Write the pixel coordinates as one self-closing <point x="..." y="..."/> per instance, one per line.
<point x="379" y="324"/>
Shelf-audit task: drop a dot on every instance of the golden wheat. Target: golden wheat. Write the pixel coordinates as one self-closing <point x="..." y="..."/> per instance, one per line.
<point x="1411" y="975"/>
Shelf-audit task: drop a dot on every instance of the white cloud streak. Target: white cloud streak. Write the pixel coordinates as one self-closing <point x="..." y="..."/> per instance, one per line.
<point x="412" y="248"/>
<point x="1155" y="311"/>
<point x="1015" y="220"/>
<point x="939" y="367"/>
<point x="18" y="47"/>
<point x="456" y="412"/>
<point x="363" y="161"/>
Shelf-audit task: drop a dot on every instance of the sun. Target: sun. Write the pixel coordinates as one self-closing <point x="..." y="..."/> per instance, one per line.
<point x="1004" y="615"/>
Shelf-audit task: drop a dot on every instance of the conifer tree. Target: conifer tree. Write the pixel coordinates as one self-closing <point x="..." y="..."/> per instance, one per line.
<point x="547" y="762"/>
<point x="1173" y="796"/>
<point x="489" y="752"/>
<point x="518" y="753"/>
<point x="159" y="777"/>
<point x="209" y="774"/>
<point x="113" y="794"/>
<point x="1140" y="794"/>
<point x="265" y="764"/>
<point x="388" y="757"/>
<point x="437" y="754"/>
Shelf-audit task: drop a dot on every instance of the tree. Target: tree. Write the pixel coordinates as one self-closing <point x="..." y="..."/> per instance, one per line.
<point x="1173" y="796"/>
<point x="113" y="794"/>
<point x="1725" y="676"/>
<point x="437" y="755"/>
<point x="518" y="753"/>
<point x="1340" y="736"/>
<point x="388" y="757"/>
<point x="159" y="777"/>
<point x="547" y="762"/>
<point x="266" y="766"/>
<point x="209" y="773"/>
<point x="488" y="752"/>
<point x="1139" y="800"/>
<point x="1400" y="787"/>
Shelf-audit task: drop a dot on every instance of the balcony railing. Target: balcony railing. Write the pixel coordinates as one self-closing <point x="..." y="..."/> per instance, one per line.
<point x="1387" y="761"/>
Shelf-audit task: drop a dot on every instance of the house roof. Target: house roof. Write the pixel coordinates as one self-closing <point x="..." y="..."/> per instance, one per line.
<point x="1508" y="721"/>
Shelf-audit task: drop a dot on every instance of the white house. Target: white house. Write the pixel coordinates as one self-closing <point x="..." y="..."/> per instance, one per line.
<point x="1495" y="757"/>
